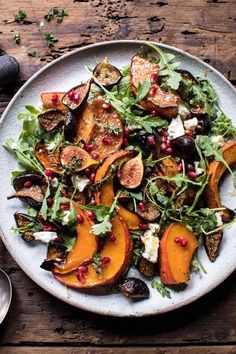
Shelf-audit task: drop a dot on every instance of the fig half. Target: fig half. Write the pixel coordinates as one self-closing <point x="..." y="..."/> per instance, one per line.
<point x="131" y="173"/>
<point x="134" y="288"/>
<point x="24" y="220"/>
<point x="74" y="98"/>
<point x="106" y="74"/>
<point x="51" y="119"/>
<point x="75" y="159"/>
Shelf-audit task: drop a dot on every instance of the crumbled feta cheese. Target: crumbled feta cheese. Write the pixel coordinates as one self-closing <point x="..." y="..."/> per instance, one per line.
<point x="219" y="139"/>
<point x="50" y="146"/>
<point x="65" y="219"/>
<point x="198" y="169"/>
<point x="151" y="243"/>
<point x="183" y="111"/>
<point x="219" y="218"/>
<point x="176" y="128"/>
<point x="54" y="182"/>
<point x="80" y="182"/>
<point x="191" y="124"/>
<point x="45" y="236"/>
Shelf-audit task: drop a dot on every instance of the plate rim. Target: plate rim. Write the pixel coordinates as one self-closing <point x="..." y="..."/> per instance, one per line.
<point x="27" y="271"/>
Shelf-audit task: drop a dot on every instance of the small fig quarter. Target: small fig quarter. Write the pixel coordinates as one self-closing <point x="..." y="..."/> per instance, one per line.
<point x="131" y="173"/>
<point x="9" y="68"/>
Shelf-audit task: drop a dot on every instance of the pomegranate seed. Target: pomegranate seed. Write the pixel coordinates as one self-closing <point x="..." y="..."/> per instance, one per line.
<point x="153" y="78"/>
<point x="88" y="147"/>
<point x="177" y="239"/>
<point x="126" y="132"/>
<point x="163" y="139"/>
<point x="151" y="141"/>
<point x="200" y="128"/>
<point x="143" y="226"/>
<point x="91" y="215"/>
<point x="189" y="116"/>
<point x="83" y="269"/>
<point x="106" y="141"/>
<point x="92" y="177"/>
<point x="164" y="132"/>
<point x="125" y="142"/>
<point x="189" y="133"/>
<point x="92" y="201"/>
<point x="63" y="192"/>
<point x="154" y="113"/>
<point x="190" y="167"/>
<point x="49" y="201"/>
<point x="71" y="95"/>
<point x="44" y="181"/>
<point x="168" y="144"/>
<point x="76" y="98"/>
<point x="152" y="91"/>
<point x="192" y="174"/>
<point x="169" y="151"/>
<point x="106" y="260"/>
<point x="106" y="106"/>
<point x="59" y="240"/>
<point x="28" y="184"/>
<point x="64" y="206"/>
<point x="49" y="173"/>
<point x="180" y="167"/>
<point x="88" y="171"/>
<point x="163" y="146"/>
<point x="112" y="238"/>
<point x="54" y="98"/>
<point x="95" y="155"/>
<point x="119" y="173"/>
<point x="80" y="276"/>
<point x="183" y="242"/>
<point x="142" y="206"/>
<point x="79" y="218"/>
<point x="40" y="218"/>
<point x="47" y="227"/>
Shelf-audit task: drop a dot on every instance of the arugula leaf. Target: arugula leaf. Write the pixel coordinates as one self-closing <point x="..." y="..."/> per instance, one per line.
<point x="99" y="210"/>
<point x="44" y="207"/>
<point x="224" y="126"/>
<point x="142" y="90"/>
<point x="136" y="195"/>
<point x="167" y="67"/>
<point x="69" y="242"/>
<point x="161" y="288"/>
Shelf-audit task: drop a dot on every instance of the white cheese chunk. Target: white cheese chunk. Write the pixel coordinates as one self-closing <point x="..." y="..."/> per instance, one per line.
<point x="191" y="124"/>
<point x="198" y="169"/>
<point x="45" y="236"/>
<point x="80" y="182"/>
<point x="50" y="146"/>
<point x="219" y="218"/>
<point x="151" y="243"/>
<point x="219" y="139"/>
<point x="54" y="182"/>
<point x="176" y="128"/>
<point x="183" y="111"/>
<point x="65" y="219"/>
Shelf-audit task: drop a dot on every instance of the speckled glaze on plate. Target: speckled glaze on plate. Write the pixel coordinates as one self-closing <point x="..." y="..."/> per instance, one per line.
<point x="61" y="75"/>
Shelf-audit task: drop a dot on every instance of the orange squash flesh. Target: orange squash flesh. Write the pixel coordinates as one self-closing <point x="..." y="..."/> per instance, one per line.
<point x="84" y="248"/>
<point x="120" y="254"/>
<point x="174" y="260"/>
<point x="215" y="171"/>
<point x="48" y="103"/>
<point x="85" y="123"/>
<point x="49" y="160"/>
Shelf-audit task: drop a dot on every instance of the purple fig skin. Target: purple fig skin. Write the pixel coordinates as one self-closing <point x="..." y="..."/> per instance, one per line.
<point x="9" y="69"/>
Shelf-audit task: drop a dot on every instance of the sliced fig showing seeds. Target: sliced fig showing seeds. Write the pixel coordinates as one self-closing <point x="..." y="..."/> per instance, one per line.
<point x="33" y="195"/>
<point x="146" y="267"/>
<point x="51" y="119"/>
<point x="106" y="74"/>
<point x="75" y="159"/>
<point x="134" y="288"/>
<point x="33" y="178"/>
<point x="74" y="98"/>
<point x="131" y="173"/>
<point x="150" y="212"/>
<point x="24" y="220"/>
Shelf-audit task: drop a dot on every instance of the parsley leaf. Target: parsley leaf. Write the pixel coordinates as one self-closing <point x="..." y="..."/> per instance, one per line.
<point x="50" y="39"/>
<point x="161" y="288"/>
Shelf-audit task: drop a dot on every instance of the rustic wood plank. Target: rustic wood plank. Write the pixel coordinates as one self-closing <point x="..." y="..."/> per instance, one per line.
<point x="104" y="350"/>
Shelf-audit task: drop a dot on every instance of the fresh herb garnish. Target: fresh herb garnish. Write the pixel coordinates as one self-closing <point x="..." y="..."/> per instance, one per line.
<point x="97" y="263"/>
<point x="34" y="54"/>
<point x="224" y="126"/>
<point x="50" y="39"/>
<point x="59" y="14"/>
<point x="20" y="16"/>
<point x="161" y="288"/>
<point x="17" y="38"/>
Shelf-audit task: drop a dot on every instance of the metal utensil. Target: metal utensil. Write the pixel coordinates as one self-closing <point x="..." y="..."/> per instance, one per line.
<point x="5" y="294"/>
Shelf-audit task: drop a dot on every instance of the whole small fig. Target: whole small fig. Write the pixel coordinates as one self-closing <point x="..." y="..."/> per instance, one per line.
<point x="9" y="68"/>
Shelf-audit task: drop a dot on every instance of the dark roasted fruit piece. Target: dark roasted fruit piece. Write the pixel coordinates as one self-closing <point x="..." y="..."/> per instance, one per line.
<point x="106" y="74"/>
<point x="19" y="181"/>
<point x="134" y="288"/>
<point x="70" y="127"/>
<point x="51" y="119"/>
<point x="184" y="147"/>
<point x="9" y="69"/>
<point x="56" y="254"/>
<point x="22" y="221"/>
<point x="150" y="212"/>
<point x="74" y="98"/>
<point x="146" y="267"/>
<point x="187" y="75"/>
<point x="212" y="244"/>
<point x="75" y="159"/>
<point x="49" y="264"/>
<point x="131" y="173"/>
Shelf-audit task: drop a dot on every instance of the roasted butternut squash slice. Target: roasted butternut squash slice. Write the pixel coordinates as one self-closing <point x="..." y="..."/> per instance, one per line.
<point x="49" y="160"/>
<point x="85" y="123"/>
<point x="175" y="258"/>
<point x="216" y="170"/>
<point x="52" y="100"/>
<point x="84" y="248"/>
<point x="119" y="253"/>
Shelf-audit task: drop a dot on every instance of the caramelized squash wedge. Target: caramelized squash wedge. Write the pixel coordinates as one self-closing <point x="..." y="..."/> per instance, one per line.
<point x="215" y="171"/>
<point x="175" y="259"/>
<point x="84" y="248"/>
<point x="49" y="160"/>
<point x="53" y="100"/>
<point x="119" y="253"/>
<point x="85" y="123"/>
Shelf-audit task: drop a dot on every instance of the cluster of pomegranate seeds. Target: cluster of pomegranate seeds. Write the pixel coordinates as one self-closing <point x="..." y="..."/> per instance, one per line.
<point x="106" y="140"/>
<point x="54" y="98"/>
<point x="182" y="241"/>
<point x="74" y="96"/>
<point x="79" y="218"/>
<point x="91" y="215"/>
<point x="49" y="173"/>
<point x="112" y="238"/>
<point x="152" y="91"/>
<point x="95" y="155"/>
<point x="153" y="78"/>
<point x="191" y="171"/>
<point x="106" y="260"/>
<point x="49" y="201"/>
<point x="65" y="206"/>
<point x="143" y="226"/>
<point x="142" y="206"/>
<point x="88" y="147"/>
<point x="64" y="192"/>
<point x="92" y="177"/>
<point x="28" y="184"/>
<point x="166" y="145"/>
<point x="106" y="106"/>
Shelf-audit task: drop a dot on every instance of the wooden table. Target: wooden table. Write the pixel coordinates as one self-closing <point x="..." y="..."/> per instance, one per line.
<point x="39" y="323"/>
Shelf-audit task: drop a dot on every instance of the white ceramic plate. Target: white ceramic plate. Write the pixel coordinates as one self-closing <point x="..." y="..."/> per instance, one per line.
<point x="61" y="75"/>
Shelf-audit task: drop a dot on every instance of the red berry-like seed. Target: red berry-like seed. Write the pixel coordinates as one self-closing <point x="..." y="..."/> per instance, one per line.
<point x="189" y="116"/>
<point x="168" y="144"/>
<point x="183" y="242"/>
<point x="79" y="218"/>
<point x="190" y="167"/>
<point x="119" y="173"/>
<point x="71" y="95"/>
<point x="83" y="269"/>
<point x="95" y="155"/>
<point x="126" y="132"/>
<point x="64" y="206"/>
<point x="164" y="132"/>
<point x="92" y="177"/>
<point x="154" y="113"/>
<point x="152" y="91"/>
<point x="63" y="192"/>
<point x="106" y="260"/>
<point x="49" y="173"/>
<point x="28" y="184"/>
<point x="189" y="133"/>
<point x="92" y="201"/>
<point x="88" y="171"/>
<point x="125" y="142"/>
<point x="200" y="128"/>
<point x="47" y="227"/>
<point x="49" y="201"/>
<point x="163" y="139"/>
<point x="143" y="226"/>
<point x="142" y="206"/>
<point x="106" y="106"/>
<point x="163" y="146"/>
<point x="169" y="151"/>
<point x="106" y="140"/>
<point x="112" y="238"/>
<point x="76" y="98"/>
<point x="180" y="167"/>
<point x="91" y="215"/>
<point x="192" y="174"/>
<point x="151" y="141"/>
<point x="54" y="98"/>
<point x="177" y="239"/>
<point x="40" y="217"/>
<point x="59" y="240"/>
<point x="43" y="181"/>
<point x="80" y="276"/>
<point x="153" y="78"/>
<point x="88" y="147"/>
